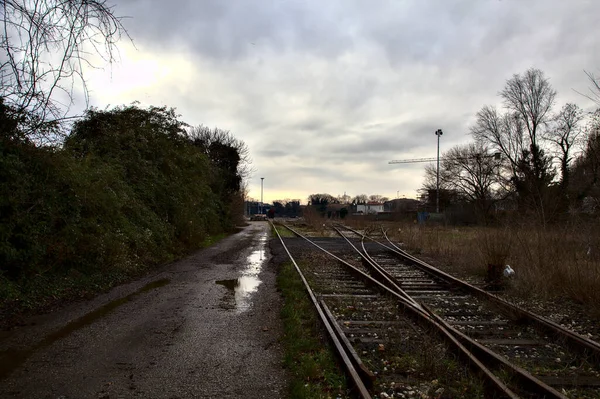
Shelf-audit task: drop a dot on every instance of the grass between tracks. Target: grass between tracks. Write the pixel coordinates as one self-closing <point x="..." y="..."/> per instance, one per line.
<point x="309" y="358"/>
<point x="283" y="232"/>
<point x="561" y="261"/>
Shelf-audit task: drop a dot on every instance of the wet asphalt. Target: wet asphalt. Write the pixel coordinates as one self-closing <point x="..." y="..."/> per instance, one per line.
<point x="206" y="326"/>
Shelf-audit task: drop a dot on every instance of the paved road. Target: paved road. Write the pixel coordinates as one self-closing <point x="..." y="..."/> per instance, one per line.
<point x="204" y="327"/>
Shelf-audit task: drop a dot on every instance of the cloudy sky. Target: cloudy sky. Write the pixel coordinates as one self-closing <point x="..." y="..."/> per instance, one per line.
<point x="326" y="92"/>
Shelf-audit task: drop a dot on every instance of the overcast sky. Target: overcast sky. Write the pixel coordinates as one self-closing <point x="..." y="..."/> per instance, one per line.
<point x="326" y="92"/>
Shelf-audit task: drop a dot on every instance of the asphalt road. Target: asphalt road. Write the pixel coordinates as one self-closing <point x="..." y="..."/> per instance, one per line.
<point x="204" y="327"/>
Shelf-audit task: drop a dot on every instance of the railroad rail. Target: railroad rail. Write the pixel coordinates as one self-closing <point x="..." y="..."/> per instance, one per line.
<point x="498" y="332"/>
<point x="369" y="313"/>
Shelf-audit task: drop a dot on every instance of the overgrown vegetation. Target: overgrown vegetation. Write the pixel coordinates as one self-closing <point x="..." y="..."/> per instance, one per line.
<point x="549" y="263"/>
<point x="310" y="360"/>
<point x="128" y="189"/>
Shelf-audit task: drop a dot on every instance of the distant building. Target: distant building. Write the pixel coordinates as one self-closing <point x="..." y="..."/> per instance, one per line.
<point x="369" y="208"/>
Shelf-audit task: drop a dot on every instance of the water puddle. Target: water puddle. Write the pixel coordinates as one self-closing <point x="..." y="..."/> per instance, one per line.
<point x="239" y="291"/>
<point x="11" y="359"/>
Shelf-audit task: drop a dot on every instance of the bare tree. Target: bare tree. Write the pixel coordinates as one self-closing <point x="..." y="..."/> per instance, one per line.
<point x="528" y="99"/>
<point x="503" y="132"/>
<point x="360" y="199"/>
<point x="563" y="132"/>
<point x="377" y="198"/>
<point x="594" y="89"/>
<point x="344" y="199"/>
<point x="46" y="44"/>
<point x="470" y="171"/>
<point x="208" y="138"/>
<point x="531" y="97"/>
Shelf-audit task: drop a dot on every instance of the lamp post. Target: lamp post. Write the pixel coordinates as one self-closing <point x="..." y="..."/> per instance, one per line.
<point x="438" y="133"/>
<point x="261" y="194"/>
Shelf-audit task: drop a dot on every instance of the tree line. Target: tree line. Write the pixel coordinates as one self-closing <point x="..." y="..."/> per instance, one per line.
<point x="526" y="157"/>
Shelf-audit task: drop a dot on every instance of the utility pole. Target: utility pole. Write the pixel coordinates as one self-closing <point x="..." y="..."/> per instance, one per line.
<point x="438" y="133"/>
<point x="261" y="194"/>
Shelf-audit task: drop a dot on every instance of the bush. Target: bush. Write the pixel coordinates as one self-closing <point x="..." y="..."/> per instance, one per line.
<point x="126" y="191"/>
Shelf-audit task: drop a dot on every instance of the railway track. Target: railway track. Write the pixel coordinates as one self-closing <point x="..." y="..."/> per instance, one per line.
<point x="376" y="338"/>
<point x="493" y="329"/>
<point x="375" y="332"/>
<point x="381" y="304"/>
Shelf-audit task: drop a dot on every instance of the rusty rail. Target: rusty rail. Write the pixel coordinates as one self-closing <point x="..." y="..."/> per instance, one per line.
<point x="327" y="323"/>
<point x="419" y="314"/>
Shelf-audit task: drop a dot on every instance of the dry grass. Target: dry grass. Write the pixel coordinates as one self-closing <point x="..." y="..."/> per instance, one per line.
<point x="552" y="262"/>
<point x="560" y="261"/>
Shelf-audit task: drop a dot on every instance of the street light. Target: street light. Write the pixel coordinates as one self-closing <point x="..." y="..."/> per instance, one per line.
<point x="438" y="133"/>
<point x="261" y="194"/>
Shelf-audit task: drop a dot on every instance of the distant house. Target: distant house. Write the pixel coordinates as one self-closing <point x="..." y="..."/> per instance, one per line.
<point x="369" y="208"/>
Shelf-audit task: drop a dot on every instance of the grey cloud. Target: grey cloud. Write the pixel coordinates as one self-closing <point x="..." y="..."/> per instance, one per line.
<point x="326" y="93"/>
<point x="273" y="153"/>
<point x="231" y="29"/>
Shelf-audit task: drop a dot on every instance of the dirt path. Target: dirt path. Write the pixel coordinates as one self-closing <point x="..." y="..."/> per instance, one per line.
<point x="205" y="327"/>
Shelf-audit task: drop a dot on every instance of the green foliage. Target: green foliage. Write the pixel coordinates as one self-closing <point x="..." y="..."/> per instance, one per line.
<point x="311" y="361"/>
<point x="126" y="191"/>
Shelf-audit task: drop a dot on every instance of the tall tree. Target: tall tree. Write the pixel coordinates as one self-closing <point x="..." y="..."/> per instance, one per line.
<point x="216" y="143"/>
<point x="503" y="133"/>
<point x="528" y="100"/>
<point x="531" y="97"/>
<point x="564" y="132"/>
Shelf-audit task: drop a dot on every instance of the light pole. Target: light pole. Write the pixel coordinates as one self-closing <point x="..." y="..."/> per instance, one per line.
<point x="438" y="133"/>
<point x="261" y="194"/>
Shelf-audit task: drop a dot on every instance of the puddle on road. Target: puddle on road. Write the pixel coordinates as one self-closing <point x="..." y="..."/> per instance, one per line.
<point x="240" y="290"/>
<point x="12" y="358"/>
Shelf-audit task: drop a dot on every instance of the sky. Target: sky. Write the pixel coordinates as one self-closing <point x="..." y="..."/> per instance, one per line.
<point x="325" y="93"/>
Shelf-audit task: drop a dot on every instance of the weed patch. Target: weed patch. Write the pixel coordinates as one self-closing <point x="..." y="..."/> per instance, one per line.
<point x="308" y="357"/>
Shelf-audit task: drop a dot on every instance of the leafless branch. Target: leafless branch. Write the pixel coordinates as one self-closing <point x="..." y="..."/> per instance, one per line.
<point x="46" y="44"/>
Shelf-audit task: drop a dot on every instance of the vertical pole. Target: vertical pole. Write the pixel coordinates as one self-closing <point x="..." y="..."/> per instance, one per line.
<point x="437" y="195"/>
<point x="261" y="194"/>
<point x="438" y="133"/>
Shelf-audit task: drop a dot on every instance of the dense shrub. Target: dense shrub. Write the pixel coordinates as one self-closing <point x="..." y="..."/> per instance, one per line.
<point x="126" y="190"/>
